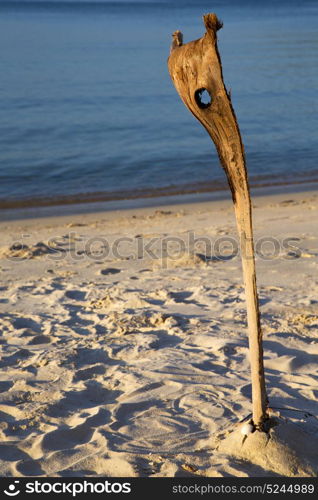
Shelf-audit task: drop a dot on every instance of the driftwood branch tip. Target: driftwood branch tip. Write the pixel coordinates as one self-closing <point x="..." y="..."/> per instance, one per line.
<point x="212" y="23"/>
<point x="177" y="40"/>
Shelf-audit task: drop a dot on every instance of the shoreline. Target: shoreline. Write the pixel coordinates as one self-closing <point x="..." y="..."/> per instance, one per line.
<point x="91" y="207"/>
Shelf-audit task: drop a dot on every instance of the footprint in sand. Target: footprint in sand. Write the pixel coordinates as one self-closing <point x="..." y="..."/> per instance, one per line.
<point x="13" y="359"/>
<point x="127" y="413"/>
<point x="40" y="339"/>
<point x="183" y="296"/>
<point x="93" y="396"/>
<point x="67" y="437"/>
<point x="11" y="453"/>
<point x="20" y="323"/>
<point x="29" y="467"/>
<point x="5" y="386"/>
<point x="75" y="295"/>
<point x="89" y="373"/>
<point x="109" y="270"/>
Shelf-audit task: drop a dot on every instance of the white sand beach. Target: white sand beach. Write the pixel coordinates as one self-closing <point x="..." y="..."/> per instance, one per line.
<point x="118" y="360"/>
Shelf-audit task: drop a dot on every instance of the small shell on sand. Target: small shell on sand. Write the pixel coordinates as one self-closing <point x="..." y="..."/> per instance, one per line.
<point x="247" y="429"/>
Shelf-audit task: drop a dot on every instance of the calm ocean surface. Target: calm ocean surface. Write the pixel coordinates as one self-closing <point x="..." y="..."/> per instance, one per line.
<point x="87" y="105"/>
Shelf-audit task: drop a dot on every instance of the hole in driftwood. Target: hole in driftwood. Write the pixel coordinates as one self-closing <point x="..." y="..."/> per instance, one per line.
<point x="203" y="98"/>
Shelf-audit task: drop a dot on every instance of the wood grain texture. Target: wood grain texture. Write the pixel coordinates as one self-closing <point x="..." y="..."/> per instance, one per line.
<point x="195" y="68"/>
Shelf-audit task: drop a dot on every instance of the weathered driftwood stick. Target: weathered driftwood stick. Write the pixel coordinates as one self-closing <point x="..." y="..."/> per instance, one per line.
<point x="196" y="71"/>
